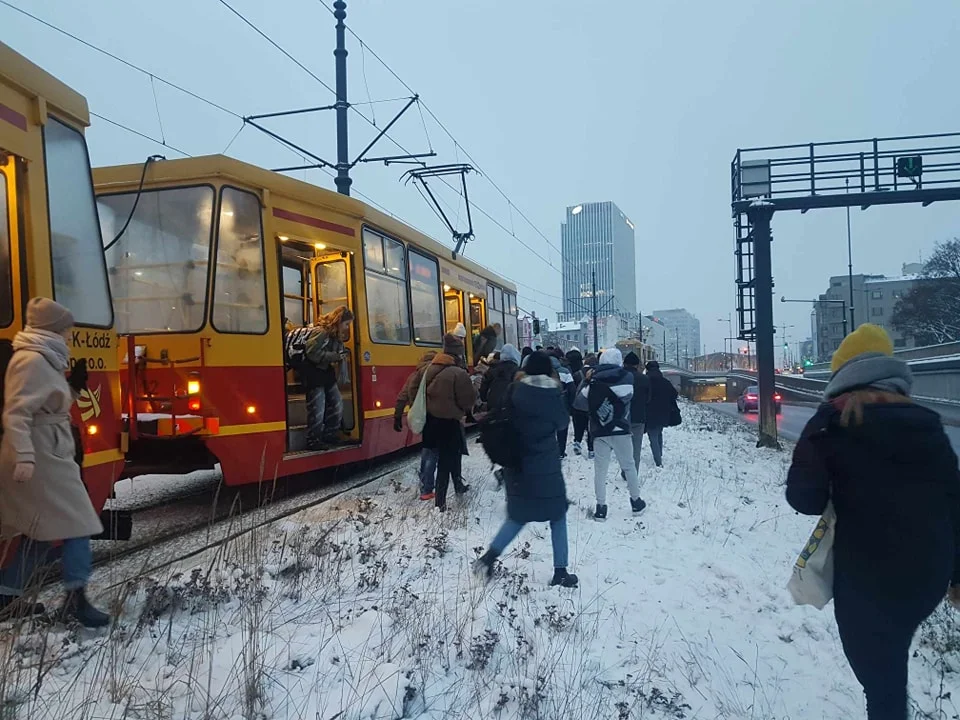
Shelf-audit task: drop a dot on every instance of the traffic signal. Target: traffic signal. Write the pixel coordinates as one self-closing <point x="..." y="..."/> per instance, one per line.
<point x="808" y="362"/>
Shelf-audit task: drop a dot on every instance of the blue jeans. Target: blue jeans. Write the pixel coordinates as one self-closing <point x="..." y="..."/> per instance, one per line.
<point x="558" y="535"/>
<point x="324" y="415"/>
<point x="656" y="443"/>
<point x="76" y="560"/>
<point x="428" y="469"/>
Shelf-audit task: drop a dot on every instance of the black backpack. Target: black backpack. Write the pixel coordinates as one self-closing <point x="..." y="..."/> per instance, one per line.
<point x="499" y="437"/>
<point x="606" y="409"/>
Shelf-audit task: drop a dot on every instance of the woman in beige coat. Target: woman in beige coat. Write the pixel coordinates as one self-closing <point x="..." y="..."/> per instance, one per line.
<point x="42" y="497"/>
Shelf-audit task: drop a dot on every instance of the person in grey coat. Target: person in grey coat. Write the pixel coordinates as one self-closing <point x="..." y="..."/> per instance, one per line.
<point x="536" y="492"/>
<point x="42" y="496"/>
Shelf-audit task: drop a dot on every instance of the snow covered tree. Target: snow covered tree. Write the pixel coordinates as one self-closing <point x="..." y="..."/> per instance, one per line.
<point x="930" y="311"/>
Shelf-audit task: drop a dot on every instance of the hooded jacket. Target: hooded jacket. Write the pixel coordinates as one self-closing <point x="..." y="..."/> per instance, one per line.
<point x="536" y="491"/>
<point x="54" y="503"/>
<point x="412" y="384"/>
<point x="609" y="377"/>
<point x="895" y="487"/>
<point x="450" y="394"/>
<point x="493" y="389"/>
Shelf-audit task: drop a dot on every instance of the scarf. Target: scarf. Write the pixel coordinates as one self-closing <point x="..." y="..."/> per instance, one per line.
<point x="871" y="370"/>
<point x="49" y="344"/>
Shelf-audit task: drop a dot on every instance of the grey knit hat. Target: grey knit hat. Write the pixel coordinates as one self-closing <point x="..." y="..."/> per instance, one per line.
<point x="45" y="314"/>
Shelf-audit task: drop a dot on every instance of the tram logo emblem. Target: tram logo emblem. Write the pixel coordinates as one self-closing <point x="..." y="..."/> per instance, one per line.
<point x="89" y="403"/>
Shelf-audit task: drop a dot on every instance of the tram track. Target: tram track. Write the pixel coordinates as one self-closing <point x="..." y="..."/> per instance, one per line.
<point x="226" y="521"/>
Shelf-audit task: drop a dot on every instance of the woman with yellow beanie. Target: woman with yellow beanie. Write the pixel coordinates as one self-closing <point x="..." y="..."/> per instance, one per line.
<point x="892" y="475"/>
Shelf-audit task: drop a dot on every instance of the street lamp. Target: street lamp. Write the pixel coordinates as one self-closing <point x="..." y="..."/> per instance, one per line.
<point x="842" y="303"/>
<point x="729" y="322"/>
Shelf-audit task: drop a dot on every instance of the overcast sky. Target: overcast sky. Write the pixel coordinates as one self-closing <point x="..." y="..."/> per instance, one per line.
<point x="558" y="102"/>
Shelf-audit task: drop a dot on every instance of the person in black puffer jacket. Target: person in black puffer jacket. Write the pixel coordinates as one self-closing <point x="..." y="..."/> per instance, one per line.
<point x="638" y="405"/>
<point x="891" y="473"/>
<point x="497" y="379"/>
<point x="536" y="491"/>
<point x="663" y="399"/>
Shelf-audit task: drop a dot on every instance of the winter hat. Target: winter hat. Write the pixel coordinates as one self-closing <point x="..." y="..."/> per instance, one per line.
<point x="611" y="356"/>
<point x="538" y="363"/>
<point x="631" y="359"/>
<point x="452" y="345"/>
<point x="652" y="365"/>
<point x="460" y="331"/>
<point x="45" y="314"/>
<point x="867" y="338"/>
<point x="510" y="352"/>
<point x="526" y="351"/>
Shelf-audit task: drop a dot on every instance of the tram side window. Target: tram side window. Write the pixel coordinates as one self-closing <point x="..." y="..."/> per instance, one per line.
<point x="388" y="312"/>
<point x="425" y="293"/>
<point x="6" y="276"/>
<point x="239" y="286"/>
<point x="76" y="249"/>
<point x="510" y="331"/>
<point x="495" y="311"/>
<point x="158" y="268"/>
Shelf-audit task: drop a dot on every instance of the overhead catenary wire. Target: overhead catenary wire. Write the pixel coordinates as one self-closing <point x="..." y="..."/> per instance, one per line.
<point x="222" y="108"/>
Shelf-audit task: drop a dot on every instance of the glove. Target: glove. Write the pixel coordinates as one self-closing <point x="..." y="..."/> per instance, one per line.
<point x="953" y="595"/>
<point x="23" y="472"/>
<point x="398" y="423"/>
<point x="78" y="378"/>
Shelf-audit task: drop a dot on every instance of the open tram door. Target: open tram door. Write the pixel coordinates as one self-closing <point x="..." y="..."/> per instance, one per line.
<point x="332" y="275"/>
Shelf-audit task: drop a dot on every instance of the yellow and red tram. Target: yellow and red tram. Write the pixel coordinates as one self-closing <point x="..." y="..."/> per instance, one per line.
<point x="217" y="254"/>
<point x="50" y="246"/>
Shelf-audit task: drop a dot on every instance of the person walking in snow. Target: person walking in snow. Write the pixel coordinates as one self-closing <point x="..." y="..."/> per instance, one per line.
<point x="450" y="396"/>
<point x="565" y="377"/>
<point x="428" y="456"/>
<point x="638" y="405"/>
<point x="42" y="495"/>
<point x="493" y="389"/>
<point x="891" y="473"/>
<point x="578" y="405"/>
<point x="660" y="407"/>
<point x="609" y="392"/>
<point x="536" y="491"/>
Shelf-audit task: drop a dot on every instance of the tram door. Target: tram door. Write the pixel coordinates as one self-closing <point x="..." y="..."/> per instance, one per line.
<point x="478" y="318"/>
<point x="453" y="313"/>
<point x="333" y="287"/>
<point x="9" y="288"/>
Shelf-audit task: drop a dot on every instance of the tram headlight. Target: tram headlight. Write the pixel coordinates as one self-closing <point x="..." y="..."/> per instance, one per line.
<point x="92" y="430"/>
<point x="193" y="384"/>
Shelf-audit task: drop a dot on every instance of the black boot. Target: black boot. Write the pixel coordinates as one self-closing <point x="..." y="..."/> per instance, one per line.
<point x="459" y="486"/>
<point x="483" y="565"/>
<point x="637" y="506"/>
<point x="600" y="513"/>
<point x="564" y="579"/>
<point x="14" y="606"/>
<point x="77" y="607"/>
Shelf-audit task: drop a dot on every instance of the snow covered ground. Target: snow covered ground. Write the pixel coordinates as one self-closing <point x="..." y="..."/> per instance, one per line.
<point x="365" y="609"/>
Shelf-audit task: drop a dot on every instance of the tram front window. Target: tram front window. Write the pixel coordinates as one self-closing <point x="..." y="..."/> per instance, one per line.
<point x="79" y="274"/>
<point x="158" y="267"/>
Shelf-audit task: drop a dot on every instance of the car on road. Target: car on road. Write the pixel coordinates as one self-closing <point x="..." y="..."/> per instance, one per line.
<point x="749" y="400"/>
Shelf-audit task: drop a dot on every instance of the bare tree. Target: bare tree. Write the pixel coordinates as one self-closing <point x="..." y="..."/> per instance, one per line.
<point x="930" y="311"/>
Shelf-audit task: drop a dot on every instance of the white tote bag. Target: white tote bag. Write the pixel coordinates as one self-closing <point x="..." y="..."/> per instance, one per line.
<point x="812" y="579"/>
<point x="417" y="417"/>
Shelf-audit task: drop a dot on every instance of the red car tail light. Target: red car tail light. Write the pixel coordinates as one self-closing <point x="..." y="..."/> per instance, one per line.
<point x="777" y="396"/>
<point x="751" y="397"/>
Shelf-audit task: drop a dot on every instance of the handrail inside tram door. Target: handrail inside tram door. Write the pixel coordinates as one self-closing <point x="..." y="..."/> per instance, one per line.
<point x="332" y="275"/>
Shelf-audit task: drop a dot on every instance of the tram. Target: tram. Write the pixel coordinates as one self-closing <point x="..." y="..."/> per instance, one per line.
<point x="50" y="246"/>
<point x="216" y="257"/>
